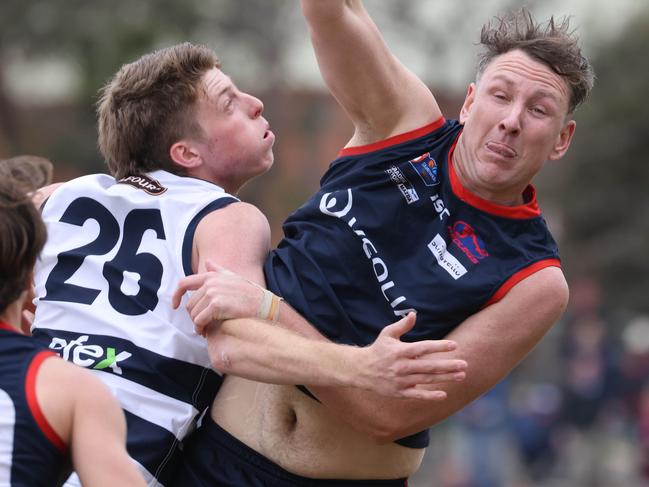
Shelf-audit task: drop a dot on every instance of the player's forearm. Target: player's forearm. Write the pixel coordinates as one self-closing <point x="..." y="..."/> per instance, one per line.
<point x="354" y="61"/>
<point x="316" y="11"/>
<point x="265" y="352"/>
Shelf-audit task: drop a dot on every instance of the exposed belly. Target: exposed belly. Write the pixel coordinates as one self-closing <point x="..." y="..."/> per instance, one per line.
<point x="301" y="436"/>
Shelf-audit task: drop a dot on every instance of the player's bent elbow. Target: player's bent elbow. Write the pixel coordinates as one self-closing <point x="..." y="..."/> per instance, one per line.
<point x="220" y="354"/>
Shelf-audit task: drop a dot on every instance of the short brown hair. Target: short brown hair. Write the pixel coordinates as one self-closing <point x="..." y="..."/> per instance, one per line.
<point x="28" y="172"/>
<point x="23" y="236"/>
<point x="149" y="105"/>
<point x="552" y="43"/>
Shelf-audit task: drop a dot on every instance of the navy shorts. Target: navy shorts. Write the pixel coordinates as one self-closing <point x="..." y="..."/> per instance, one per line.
<point x="212" y="457"/>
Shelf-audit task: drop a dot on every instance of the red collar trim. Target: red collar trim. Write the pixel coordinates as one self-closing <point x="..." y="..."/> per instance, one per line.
<point x="8" y="327"/>
<point x="528" y="210"/>
<point x="394" y="140"/>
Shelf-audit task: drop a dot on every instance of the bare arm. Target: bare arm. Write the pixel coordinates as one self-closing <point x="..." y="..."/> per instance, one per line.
<point x="388" y="367"/>
<point x="89" y="419"/>
<point x="381" y="96"/>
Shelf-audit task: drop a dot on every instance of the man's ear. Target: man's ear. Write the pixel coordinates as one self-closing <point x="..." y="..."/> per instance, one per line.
<point x="468" y="102"/>
<point x="185" y="154"/>
<point x="563" y="141"/>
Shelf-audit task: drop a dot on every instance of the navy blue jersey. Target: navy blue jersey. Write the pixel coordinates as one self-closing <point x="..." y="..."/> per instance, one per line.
<point x="393" y="230"/>
<point x="31" y="453"/>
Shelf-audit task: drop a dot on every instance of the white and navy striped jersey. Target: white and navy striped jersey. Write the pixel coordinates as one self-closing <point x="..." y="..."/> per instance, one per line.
<point x="31" y="453"/>
<point x="115" y="253"/>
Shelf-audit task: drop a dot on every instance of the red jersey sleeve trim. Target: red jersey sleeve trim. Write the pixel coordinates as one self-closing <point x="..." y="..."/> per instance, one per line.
<point x="519" y="276"/>
<point x="394" y="140"/>
<point x="32" y="401"/>
<point x="528" y="210"/>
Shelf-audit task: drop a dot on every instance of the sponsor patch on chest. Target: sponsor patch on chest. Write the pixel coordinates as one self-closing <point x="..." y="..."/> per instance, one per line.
<point x="445" y="259"/>
<point x="405" y="186"/>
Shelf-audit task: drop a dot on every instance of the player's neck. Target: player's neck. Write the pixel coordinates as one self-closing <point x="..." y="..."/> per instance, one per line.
<point x="12" y="314"/>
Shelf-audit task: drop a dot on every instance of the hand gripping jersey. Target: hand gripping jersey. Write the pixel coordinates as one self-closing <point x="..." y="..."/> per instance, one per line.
<point x="31" y="452"/>
<point x="392" y="230"/>
<point x="114" y="255"/>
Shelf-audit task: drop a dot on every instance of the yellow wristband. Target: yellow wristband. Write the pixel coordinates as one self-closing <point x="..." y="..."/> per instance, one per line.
<point x="269" y="306"/>
<point x="273" y="313"/>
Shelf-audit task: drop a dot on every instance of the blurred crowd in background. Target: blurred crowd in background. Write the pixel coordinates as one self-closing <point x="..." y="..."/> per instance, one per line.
<point x="575" y="413"/>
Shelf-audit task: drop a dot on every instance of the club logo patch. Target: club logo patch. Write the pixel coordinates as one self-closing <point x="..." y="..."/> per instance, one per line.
<point x="426" y="167"/>
<point x="406" y="188"/>
<point x="466" y="239"/>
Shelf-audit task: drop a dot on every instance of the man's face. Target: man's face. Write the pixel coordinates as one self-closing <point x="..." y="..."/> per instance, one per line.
<point x="237" y="143"/>
<point x="515" y="119"/>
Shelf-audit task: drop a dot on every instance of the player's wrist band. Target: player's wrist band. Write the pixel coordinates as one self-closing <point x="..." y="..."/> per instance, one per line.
<point x="269" y="306"/>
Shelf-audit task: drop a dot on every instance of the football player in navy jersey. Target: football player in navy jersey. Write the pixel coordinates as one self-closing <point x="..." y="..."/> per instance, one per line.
<point x="55" y="416"/>
<point x="417" y="213"/>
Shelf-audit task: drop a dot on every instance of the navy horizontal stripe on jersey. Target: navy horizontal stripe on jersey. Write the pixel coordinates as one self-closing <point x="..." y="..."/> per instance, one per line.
<point x="163" y="374"/>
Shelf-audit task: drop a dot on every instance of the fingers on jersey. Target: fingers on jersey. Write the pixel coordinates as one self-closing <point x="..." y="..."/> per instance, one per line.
<point x="399" y="367"/>
<point x="219" y="294"/>
<point x="189" y="283"/>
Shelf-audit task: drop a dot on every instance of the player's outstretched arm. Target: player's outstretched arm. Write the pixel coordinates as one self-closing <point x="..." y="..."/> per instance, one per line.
<point x="380" y="95"/>
<point x="89" y="419"/>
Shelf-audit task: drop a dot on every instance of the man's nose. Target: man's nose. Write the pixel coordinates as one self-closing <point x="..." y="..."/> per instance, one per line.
<point x="511" y="121"/>
<point x="256" y="107"/>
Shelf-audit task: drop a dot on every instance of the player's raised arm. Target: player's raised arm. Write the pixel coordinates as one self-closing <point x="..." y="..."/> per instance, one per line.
<point x="380" y="95"/>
